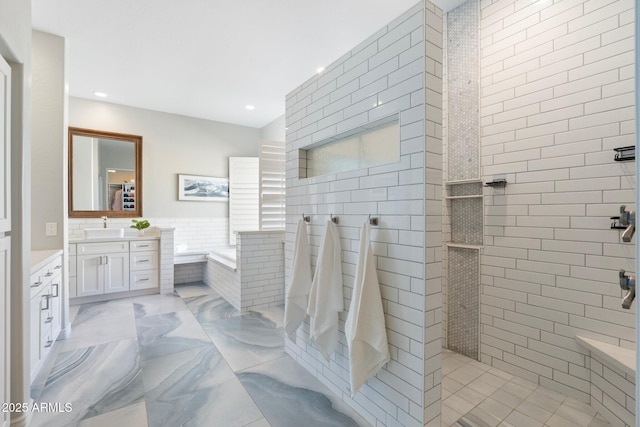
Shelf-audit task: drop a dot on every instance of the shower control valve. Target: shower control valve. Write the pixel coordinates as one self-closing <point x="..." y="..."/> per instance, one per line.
<point x="626" y="222"/>
<point x="627" y="283"/>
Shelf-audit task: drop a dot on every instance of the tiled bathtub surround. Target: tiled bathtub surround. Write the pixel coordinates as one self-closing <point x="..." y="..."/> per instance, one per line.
<point x="557" y="95"/>
<point x="385" y="75"/>
<point x="258" y="279"/>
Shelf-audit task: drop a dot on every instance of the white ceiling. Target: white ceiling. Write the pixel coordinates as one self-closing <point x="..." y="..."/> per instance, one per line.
<point x="208" y="58"/>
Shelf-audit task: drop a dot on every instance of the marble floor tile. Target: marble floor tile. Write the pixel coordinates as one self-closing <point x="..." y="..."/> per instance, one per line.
<point x="247" y="340"/>
<point x="194" y="289"/>
<point x="73" y="312"/>
<point x="262" y="422"/>
<point x="129" y="416"/>
<point x="190" y="370"/>
<point x="94" y="380"/>
<point x="169" y="333"/>
<point x="101" y="322"/>
<point x="151" y="305"/>
<point x="191" y="387"/>
<point x="209" y="308"/>
<point x="288" y="395"/>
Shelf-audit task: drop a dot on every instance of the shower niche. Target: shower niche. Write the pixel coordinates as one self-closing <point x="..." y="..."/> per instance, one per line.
<point x="465" y="206"/>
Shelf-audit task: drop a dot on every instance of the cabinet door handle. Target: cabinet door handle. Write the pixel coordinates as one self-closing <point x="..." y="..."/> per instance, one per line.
<point x="57" y="267"/>
<point x="143" y="280"/>
<point x="57" y="288"/>
<point x="106" y="257"/>
<point x="49" y="319"/>
<point x="36" y="284"/>
<point x="143" y="246"/>
<point x="48" y="344"/>
<point x="46" y="297"/>
<point x="100" y="262"/>
<point x="143" y="260"/>
<point x="48" y="274"/>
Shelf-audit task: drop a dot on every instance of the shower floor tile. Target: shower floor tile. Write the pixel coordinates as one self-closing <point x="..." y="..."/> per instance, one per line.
<point x="500" y="399"/>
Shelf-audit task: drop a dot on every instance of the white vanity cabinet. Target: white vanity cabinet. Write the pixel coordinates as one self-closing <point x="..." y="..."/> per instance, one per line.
<point x="105" y="267"/>
<point x="102" y="268"/>
<point x="46" y="305"/>
<point x="143" y="264"/>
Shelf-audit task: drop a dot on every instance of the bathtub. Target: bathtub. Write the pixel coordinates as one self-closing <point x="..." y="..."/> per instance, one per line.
<point x="224" y="256"/>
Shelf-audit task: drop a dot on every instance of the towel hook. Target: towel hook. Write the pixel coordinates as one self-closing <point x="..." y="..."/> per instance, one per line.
<point x="334" y="219"/>
<point x="373" y="220"/>
<point x="306" y="218"/>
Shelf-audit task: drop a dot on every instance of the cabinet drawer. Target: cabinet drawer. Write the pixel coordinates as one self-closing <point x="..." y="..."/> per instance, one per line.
<point x="102" y="248"/>
<point x="144" y="279"/>
<point x="36" y="282"/>
<point x="143" y="260"/>
<point x="144" y="245"/>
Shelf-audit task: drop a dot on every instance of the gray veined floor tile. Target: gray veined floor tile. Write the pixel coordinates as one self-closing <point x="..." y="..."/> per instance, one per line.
<point x="196" y="388"/>
<point x="194" y="289"/>
<point x="101" y="322"/>
<point x="129" y="416"/>
<point x="150" y="305"/>
<point x="94" y="380"/>
<point x="247" y="340"/>
<point x="288" y="395"/>
<point x="209" y="308"/>
<point x="169" y="333"/>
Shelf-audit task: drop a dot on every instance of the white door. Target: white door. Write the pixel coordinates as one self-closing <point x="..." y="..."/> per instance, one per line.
<point x="5" y="242"/>
<point x="116" y="272"/>
<point x="90" y="279"/>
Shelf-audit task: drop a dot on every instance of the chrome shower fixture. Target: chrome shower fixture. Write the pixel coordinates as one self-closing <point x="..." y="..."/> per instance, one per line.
<point x="627" y="222"/>
<point x="627" y="283"/>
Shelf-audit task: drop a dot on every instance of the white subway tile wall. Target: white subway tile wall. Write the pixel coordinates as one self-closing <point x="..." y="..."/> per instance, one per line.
<point x="556" y="98"/>
<point x="383" y="75"/>
<point x="199" y="234"/>
<point x="258" y="280"/>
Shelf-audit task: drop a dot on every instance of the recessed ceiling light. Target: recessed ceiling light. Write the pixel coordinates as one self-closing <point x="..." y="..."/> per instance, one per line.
<point x="100" y="94"/>
<point x="250" y="107"/>
<point x="319" y="70"/>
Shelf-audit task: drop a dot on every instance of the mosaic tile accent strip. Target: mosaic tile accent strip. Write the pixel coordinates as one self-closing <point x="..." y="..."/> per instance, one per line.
<point x="464" y="301"/>
<point x="466" y="221"/>
<point x="464" y="94"/>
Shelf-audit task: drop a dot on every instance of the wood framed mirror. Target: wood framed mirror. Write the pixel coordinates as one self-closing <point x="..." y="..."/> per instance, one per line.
<point x="105" y="174"/>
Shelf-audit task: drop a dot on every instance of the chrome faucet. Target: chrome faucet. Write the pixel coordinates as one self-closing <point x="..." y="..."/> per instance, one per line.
<point x="627" y="283"/>
<point x="104" y="221"/>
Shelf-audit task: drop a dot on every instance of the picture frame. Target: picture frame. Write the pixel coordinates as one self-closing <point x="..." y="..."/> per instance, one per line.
<point x="203" y="188"/>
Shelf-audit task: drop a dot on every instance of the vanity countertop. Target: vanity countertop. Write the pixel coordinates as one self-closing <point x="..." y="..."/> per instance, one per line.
<point x="40" y="258"/>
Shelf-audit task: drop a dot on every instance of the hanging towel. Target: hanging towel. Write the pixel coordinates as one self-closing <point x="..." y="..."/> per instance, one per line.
<point x="295" y="309"/>
<point x="326" y="298"/>
<point x="365" y="327"/>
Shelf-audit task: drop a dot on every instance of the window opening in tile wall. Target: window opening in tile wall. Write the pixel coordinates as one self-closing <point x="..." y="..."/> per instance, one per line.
<point x="375" y="144"/>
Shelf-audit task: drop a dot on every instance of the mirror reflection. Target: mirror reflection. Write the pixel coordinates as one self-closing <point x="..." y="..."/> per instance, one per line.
<point x="104" y="174"/>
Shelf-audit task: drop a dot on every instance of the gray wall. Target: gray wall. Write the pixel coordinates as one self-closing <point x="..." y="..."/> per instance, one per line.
<point x="172" y="145"/>
<point x="49" y="142"/>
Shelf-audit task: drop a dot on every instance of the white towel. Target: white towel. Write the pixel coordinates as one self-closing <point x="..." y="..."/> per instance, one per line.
<point x="365" y="327"/>
<point x="326" y="298"/>
<point x="295" y="309"/>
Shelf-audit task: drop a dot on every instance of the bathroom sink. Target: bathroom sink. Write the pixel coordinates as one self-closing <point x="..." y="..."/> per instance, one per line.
<point x="103" y="233"/>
